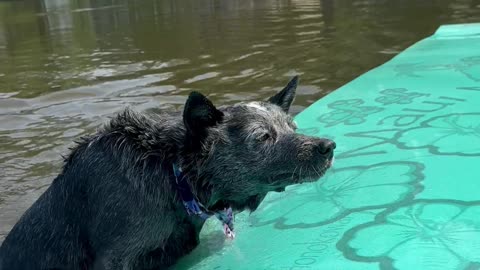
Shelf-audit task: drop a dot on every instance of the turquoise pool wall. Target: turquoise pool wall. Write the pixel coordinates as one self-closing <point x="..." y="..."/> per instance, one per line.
<point x="404" y="192"/>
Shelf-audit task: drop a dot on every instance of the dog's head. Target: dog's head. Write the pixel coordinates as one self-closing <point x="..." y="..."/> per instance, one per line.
<point x="249" y="149"/>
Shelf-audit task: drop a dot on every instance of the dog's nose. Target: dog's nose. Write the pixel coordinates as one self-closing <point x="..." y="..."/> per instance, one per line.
<point x="326" y="146"/>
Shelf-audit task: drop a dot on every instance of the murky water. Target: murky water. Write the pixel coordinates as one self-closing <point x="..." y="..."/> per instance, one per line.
<point x="65" y="66"/>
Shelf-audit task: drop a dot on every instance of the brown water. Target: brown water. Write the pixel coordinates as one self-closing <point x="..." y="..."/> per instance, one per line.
<point x="65" y="66"/>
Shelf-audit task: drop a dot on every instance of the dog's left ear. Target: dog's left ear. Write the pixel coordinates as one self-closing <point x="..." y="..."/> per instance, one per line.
<point x="199" y="114"/>
<point x="285" y="97"/>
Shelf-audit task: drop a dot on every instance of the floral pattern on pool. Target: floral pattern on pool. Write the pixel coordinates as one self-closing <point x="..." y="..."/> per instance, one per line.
<point x="403" y="193"/>
<point x="430" y="235"/>
<point x="347" y="190"/>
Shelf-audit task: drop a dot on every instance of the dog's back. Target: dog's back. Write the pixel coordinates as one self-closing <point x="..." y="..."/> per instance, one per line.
<point x="47" y="236"/>
<point x="102" y="207"/>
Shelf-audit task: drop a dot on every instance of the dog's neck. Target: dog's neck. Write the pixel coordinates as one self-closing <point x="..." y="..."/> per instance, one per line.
<point x="190" y="200"/>
<point x="195" y="208"/>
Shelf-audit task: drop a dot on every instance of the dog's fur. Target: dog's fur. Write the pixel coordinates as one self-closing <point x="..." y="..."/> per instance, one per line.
<point x="114" y="205"/>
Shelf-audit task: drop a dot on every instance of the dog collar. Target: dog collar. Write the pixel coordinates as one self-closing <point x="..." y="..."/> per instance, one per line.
<point x="194" y="207"/>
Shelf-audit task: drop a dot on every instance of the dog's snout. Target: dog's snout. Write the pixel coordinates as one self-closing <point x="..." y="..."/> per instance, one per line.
<point x="326" y="147"/>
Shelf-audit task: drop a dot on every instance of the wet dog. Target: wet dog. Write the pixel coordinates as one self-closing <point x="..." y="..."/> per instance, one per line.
<point x="119" y="203"/>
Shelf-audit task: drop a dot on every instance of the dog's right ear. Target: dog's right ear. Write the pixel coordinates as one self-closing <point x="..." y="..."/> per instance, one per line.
<point x="285" y="97"/>
<point x="199" y="114"/>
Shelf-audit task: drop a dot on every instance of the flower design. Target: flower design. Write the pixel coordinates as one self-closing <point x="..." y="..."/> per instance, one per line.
<point x="348" y="190"/>
<point x="471" y="67"/>
<point x="425" y="235"/>
<point x="453" y="134"/>
<point x="348" y="112"/>
<point x="398" y="96"/>
<point x="468" y="66"/>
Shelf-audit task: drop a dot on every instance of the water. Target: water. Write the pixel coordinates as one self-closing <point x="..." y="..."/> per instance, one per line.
<point x="65" y="66"/>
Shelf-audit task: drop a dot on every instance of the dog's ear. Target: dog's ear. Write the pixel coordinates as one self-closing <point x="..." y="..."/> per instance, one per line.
<point x="285" y="97"/>
<point x="199" y="114"/>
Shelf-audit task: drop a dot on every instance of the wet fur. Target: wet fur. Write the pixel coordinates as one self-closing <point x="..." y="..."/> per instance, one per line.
<point x="113" y="206"/>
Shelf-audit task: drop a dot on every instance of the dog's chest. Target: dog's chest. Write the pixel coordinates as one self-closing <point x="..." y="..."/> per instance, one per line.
<point x="167" y="243"/>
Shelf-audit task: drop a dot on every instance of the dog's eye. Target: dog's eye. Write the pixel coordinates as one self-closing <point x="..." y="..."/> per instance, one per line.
<point x="264" y="137"/>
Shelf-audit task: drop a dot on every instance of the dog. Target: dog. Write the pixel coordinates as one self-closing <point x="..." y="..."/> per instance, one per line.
<point x="122" y="198"/>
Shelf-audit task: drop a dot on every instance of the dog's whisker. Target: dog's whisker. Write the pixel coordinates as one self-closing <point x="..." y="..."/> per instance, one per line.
<point x="293" y="173"/>
<point x="319" y="174"/>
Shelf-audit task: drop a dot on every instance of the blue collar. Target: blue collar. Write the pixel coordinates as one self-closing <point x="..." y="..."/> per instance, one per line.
<point x="194" y="207"/>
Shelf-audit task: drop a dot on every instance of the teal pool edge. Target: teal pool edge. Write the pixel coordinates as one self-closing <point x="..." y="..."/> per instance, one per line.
<point x="403" y="193"/>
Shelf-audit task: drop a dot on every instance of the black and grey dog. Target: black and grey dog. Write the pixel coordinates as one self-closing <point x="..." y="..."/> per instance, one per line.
<point x="117" y="204"/>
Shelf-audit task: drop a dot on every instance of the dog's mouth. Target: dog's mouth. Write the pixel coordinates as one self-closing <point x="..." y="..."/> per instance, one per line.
<point x="301" y="174"/>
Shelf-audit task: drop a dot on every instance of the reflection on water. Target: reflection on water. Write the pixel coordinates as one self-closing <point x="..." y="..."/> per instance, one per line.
<point x="67" y="65"/>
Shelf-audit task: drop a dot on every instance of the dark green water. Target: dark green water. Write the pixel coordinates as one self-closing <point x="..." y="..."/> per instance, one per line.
<point x="65" y="66"/>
